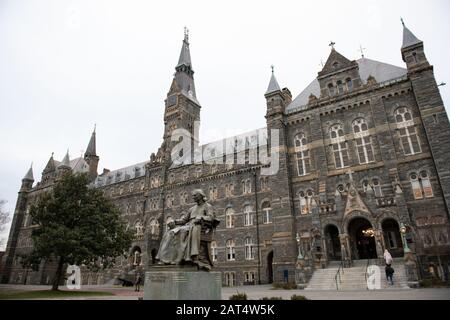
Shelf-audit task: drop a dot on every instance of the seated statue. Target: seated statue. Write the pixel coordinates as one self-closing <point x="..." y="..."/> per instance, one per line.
<point x="188" y="239"/>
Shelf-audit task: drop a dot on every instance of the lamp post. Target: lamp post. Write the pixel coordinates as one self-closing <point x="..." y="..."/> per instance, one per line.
<point x="300" y="255"/>
<point x="405" y="242"/>
<point x="300" y="265"/>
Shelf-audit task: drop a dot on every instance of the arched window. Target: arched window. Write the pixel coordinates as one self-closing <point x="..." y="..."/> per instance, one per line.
<point x="349" y="83"/>
<point x="230" y="279"/>
<point x="231" y="251"/>
<point x="340" y="87"/>
<point x="365" y="185"/>
<point x="307" y="202"/>
<point x="363" y="141"/>
<point x="229" y="218"/>
<point x="426" y="184"/>
<point x="331" y="90"/>
<point x="214" y="250"/>
<point x="376" y="185"/>
<point x="213" y="193"/>
<point x="407" y="131"/>
<point x="154" y="227"/>
<point x="421" y="185"/>
<point x="139" y="234"/>
<point x="249" y="249"/>
<point x="302" y="154"/>
<point x="339" y="146"/>
<point x="248" y="216"/>
<point x="246" y="186"/>
<point x="267" y="212"/>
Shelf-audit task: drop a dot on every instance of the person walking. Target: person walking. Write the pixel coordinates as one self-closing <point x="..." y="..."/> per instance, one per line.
<point x="387" y="257"/>
<point x="137" y="282"/>
<point x="389" y="274"/>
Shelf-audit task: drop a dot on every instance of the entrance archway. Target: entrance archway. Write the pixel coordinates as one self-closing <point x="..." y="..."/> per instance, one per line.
<point x="392" y="237"/>
<point x="362" y="240"/>
<point x="333" y="243"/>
<point x="270" y="267"/>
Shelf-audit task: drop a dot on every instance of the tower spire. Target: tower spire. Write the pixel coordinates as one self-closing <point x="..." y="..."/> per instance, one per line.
<point x="29" y="176"/>
<point x="273" y="84"/>
<point x="409" y="39"/>
<point x="92" y="148"/>
<point x="65" y="164"/>
<point x="184" y="75"/>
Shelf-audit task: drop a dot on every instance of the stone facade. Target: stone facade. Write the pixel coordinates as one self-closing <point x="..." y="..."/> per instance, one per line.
<point x="362" y="151"/>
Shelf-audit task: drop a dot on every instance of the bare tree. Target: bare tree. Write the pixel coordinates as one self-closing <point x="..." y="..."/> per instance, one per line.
<point x="4" y="219"/>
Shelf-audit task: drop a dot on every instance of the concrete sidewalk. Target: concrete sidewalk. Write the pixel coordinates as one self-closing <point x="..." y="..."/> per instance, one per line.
<point x="261" y="291"/>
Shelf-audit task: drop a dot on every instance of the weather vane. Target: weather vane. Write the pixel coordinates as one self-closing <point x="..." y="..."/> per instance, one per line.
<point x="403" y="22"/>
<point x="186" y="33"/>
<point x="272" y="66"/>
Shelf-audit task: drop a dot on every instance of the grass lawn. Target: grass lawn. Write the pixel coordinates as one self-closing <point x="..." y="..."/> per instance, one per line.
<point x="45" y="294"/>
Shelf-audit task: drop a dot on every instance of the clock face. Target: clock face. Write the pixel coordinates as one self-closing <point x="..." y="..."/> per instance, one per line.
<point x="171" y="100"/>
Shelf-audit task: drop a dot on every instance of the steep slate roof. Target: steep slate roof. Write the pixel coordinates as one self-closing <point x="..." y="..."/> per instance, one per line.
<point x="77" y="165"/>
<point x="380" y="71"/>
<point x="29" y="175"/>
<point x="123" y="174"/>
<point x="273" y="85"/>
<point x="409" y="39"/>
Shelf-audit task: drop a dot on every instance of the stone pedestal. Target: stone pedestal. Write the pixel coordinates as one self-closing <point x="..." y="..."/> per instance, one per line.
<point x="182" y="284"/>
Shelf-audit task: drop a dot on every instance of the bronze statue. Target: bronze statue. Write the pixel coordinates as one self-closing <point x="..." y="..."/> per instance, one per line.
<point x="188" y="239"/>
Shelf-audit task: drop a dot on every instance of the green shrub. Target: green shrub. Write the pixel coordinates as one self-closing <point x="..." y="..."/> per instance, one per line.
<point x="239" y="296"/>
<point x="298" y="297"/>
<point x="272" y="298"/>
<point x="285" y="286"/>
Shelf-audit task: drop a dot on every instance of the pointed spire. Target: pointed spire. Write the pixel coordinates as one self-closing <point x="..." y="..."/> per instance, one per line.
<point x="29" y="176"/>
<point x="409" y="39"/>
<point x="65" y="162"/>
<point x="185" y="55"/>
<point x="273" y="84"/>
<point x="50" y="165"/>
<point x="91" y="148"/>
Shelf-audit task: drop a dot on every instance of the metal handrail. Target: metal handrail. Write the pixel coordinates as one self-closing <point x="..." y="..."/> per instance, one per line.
<point x="338" y="274"/>
<point x="366" y="273"/>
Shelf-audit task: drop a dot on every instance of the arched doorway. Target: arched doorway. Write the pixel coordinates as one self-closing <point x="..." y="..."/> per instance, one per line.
<point x="270" y="267"/>
<point x="392" y="237"/>
<point x="154" y="252"/>
<point x="362" y="240"/>
<point x="333" y="243"/>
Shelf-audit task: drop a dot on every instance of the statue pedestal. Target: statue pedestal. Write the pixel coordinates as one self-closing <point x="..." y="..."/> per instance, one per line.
<point x="177" y="283"/>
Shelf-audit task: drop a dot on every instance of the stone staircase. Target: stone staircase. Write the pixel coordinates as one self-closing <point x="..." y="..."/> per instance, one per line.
<point x="354" y="278"/>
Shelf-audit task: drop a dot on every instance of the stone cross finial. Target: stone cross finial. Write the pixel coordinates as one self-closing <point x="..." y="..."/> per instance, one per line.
<point x="361" y="49"/>
<point x="272" y="67"/>
<point x="332" y="43"/>
<point x="403" y="22"/>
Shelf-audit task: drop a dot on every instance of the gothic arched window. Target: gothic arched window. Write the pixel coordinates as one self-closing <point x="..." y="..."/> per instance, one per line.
<point x="340" y="87"/>
<point x="376" y="185"/>
<point x="363" y="141"/>
<point x="407" y="131"/>
<point x="302" y="154"/>
<point x="231" y="250"/>
<point x="229" y="218"/>
<point x="249" y="249"/>
<point x="421" y="185"/>
<point x="331" y="90"/>
<point x="349" y="83"/>
<point x="248" y="215"/>
<point x="339" y="146"/>
<point x="214" y="250"/>
<point x="267" y="212"/>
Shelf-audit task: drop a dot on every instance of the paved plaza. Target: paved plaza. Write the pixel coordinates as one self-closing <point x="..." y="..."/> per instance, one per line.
<point x="258" y="292"/>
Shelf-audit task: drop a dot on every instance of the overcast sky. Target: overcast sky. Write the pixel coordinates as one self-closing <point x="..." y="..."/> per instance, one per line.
<point x="66" y="65"/>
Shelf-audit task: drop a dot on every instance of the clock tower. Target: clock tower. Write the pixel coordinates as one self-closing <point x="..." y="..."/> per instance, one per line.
<point x="182" y="109"/>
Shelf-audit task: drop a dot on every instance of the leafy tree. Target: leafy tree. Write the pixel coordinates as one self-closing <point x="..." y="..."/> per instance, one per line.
<point x="77" y="225"/>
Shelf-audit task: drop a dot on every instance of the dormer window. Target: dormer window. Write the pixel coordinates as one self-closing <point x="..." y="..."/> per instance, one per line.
<point x="349" y="83"/>
<point x="331" y="90"/>
<point x="340" y="87"/>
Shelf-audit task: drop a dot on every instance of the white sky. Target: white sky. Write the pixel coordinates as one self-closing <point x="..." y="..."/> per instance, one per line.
<point x="65" y="65"/>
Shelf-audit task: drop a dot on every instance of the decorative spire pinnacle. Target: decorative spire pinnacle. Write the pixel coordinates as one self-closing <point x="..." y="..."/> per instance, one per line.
<point x="273" y="84"/>
<point x="409" y="39"/>
<point x="186" y="34"/>
<point x="65" y="162"/>
<point x="29" y="175"/>
<point x="91" y="148"/>
<point x="361" y="49"/>
<point x="403" y="22"/>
